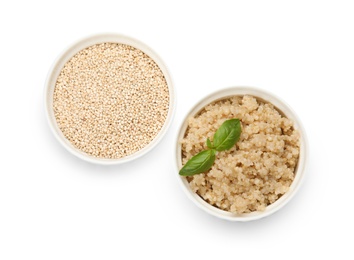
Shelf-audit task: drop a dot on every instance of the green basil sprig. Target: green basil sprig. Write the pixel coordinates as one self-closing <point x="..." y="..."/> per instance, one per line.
<point x="224" y="138"/>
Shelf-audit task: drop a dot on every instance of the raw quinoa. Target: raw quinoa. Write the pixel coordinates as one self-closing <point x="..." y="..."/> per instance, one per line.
<point x="110" y="100"/>
<point x="259" y="169"/>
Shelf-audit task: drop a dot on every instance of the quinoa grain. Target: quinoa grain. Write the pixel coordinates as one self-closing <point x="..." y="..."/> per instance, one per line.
<point x="110" y="100"/>
<point x="259" y="169"/>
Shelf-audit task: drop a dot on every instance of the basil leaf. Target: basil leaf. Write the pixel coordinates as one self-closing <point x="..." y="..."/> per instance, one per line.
<point x="208" y="143"/>
<point x="227" y="135"/>
<point x="199" y="163"/>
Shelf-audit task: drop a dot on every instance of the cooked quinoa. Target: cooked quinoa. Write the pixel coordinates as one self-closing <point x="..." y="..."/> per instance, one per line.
<point x="110" y="100"/>
<point x="259" y="169"/>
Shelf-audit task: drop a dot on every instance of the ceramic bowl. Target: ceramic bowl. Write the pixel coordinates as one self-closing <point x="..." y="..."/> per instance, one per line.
<point x="299" y="172"/>
<point x="59" y="64"/>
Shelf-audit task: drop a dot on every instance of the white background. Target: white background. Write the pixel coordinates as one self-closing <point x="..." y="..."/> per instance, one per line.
<point x="55" y="206"/>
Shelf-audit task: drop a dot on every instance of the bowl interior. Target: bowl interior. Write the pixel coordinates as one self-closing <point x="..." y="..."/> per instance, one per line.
<point x="66" y="56"/>
<point x="285" y="110"/>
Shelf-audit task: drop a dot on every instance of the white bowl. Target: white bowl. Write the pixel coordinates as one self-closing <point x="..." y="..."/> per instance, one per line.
<point x="55" y="71"/>
<point x="299" y="172"/>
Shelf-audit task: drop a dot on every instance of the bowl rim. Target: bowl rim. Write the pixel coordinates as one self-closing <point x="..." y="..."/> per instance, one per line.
<point x="299" y="172"/>
<point x="68" y="53"/>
